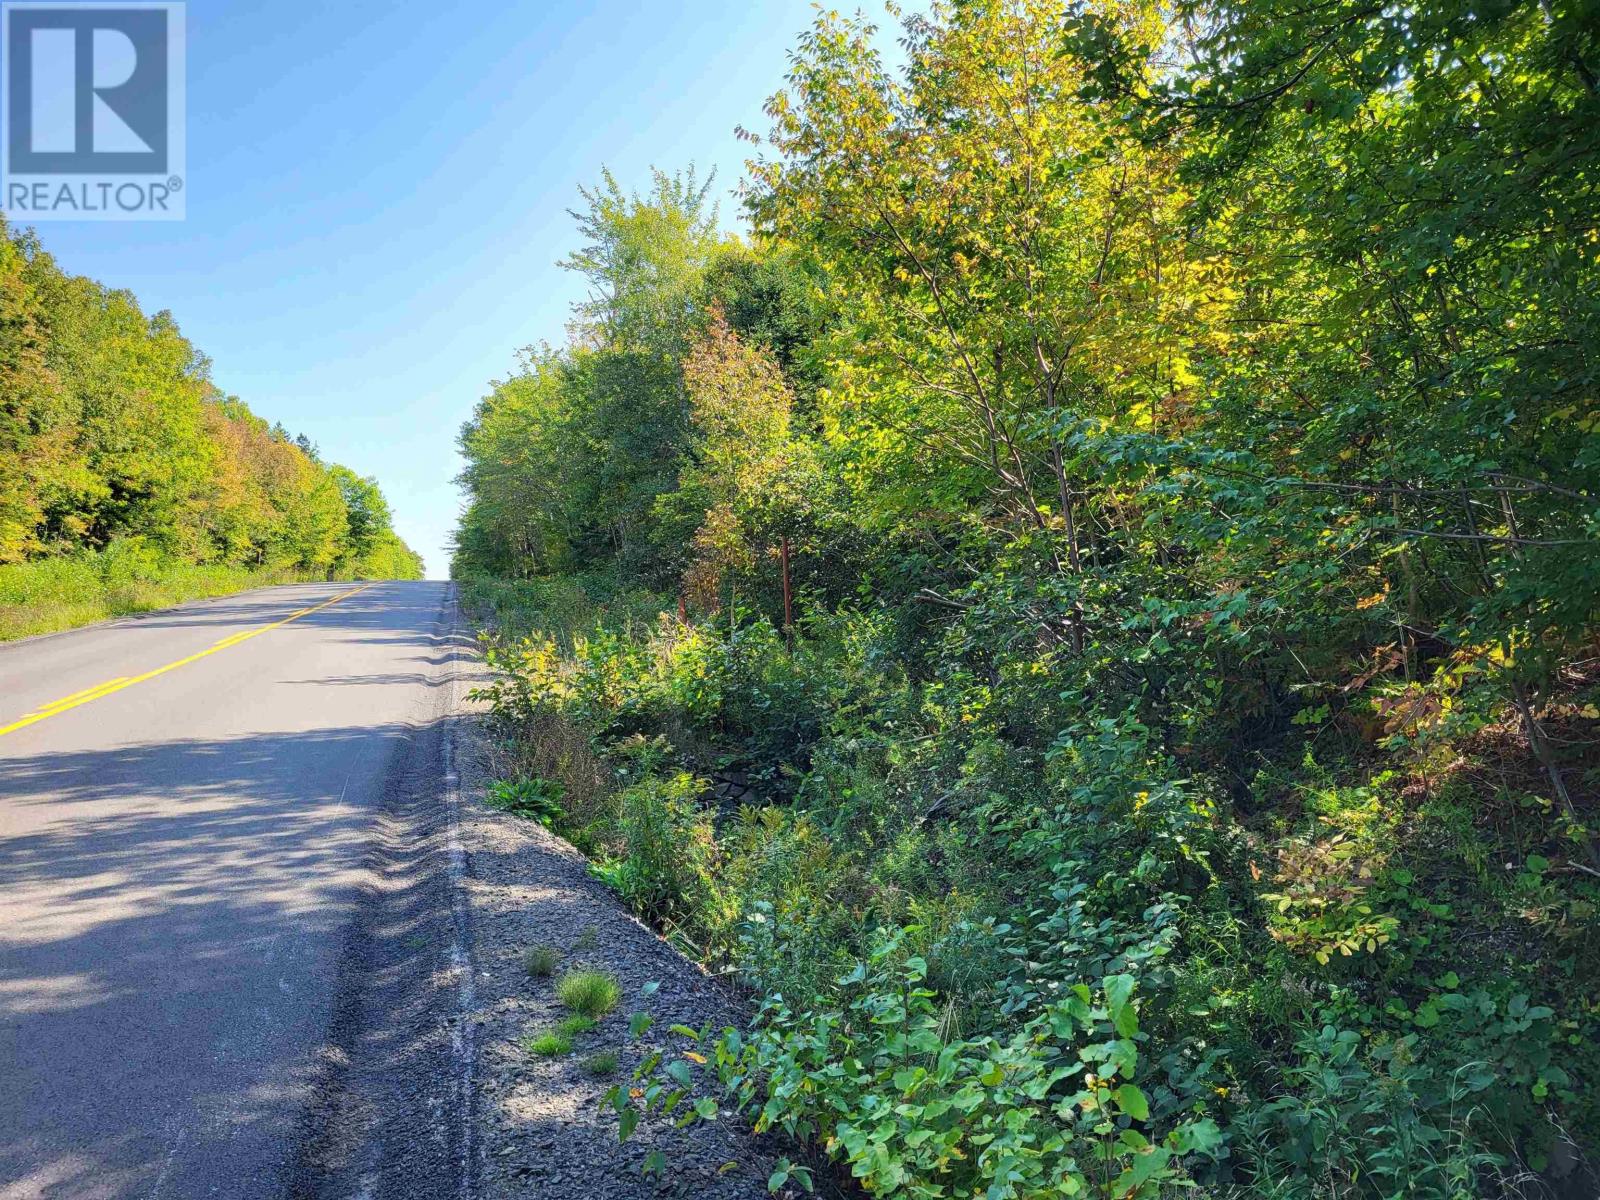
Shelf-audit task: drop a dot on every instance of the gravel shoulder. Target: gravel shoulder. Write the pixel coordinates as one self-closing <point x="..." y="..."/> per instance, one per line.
<point x="541" y="1130"/>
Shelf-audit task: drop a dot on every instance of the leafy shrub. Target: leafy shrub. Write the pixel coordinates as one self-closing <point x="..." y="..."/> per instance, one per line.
<point x="777" y="863"/>
<point x="1007" y="865"/>
<point x="1348" y="1128"/>
<point x="560" y="606"/>
<point x="668" y="849"/>
<point x="1052" y="1109"/>
<point x="535" y="799"/>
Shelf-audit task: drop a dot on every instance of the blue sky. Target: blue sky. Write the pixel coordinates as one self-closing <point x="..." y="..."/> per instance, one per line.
<point x="377" y="195"/>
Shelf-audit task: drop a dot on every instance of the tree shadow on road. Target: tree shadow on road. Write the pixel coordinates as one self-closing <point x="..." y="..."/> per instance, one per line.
<point x="177" y="947"/>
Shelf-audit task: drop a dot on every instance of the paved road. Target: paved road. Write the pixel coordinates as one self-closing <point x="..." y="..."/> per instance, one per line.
<point x="228" y="951"/>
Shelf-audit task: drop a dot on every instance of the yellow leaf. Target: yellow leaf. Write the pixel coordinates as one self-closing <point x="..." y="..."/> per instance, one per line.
<point x="1373" y="600"/>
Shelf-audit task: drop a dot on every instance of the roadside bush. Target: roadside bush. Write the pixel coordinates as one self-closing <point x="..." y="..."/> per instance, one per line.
<point x="46" y="595"/>
<point x="668" y="850"/>
<point x="954" y="834"/>
<point x="534" y="799"/>
<point x="1377" y="1124"/>
<point x="1051" y="1109"/>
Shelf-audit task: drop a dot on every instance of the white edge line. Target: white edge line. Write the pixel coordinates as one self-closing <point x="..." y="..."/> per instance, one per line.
<point x="462" y="1039"/>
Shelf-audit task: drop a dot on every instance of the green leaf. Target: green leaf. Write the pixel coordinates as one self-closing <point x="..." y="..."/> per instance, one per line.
<point x="628" y="1123"/>
<point x="1197" y="1137"/>
<point x="1141" y="1170"/>
<point x="1131" y="1101"/>
<point x="1119" y="995"/>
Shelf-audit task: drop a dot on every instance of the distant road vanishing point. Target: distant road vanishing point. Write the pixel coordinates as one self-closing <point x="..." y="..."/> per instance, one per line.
<point x="231" y="949"/>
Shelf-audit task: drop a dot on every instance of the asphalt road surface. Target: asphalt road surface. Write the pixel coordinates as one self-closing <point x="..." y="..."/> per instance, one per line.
<point x="231" y="944"/>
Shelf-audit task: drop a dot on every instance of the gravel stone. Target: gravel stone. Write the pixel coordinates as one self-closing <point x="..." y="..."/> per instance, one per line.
<point x="542" y="1131"/>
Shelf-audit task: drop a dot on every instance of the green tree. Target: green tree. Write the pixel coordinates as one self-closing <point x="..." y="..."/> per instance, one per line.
<point x="745" y="468"/>
<point x="366" y="511"/>
<point x="110" y="429"/>
<point x="643" y="260"/>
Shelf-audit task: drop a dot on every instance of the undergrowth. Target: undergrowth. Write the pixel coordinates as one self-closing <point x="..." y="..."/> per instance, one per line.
<point x="48" y="595"/>
<point x="1076" y="961"/>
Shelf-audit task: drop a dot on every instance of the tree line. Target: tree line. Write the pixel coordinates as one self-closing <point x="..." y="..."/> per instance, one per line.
<point x="1125" y="528"/>
<point x="112" y="431"/>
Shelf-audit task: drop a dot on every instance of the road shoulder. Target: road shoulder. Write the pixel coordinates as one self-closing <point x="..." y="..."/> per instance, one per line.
<point x="391" y="1116"/>
<point x="541" y="1127"/>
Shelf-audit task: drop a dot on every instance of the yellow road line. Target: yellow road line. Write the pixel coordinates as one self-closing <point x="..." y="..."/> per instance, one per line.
<point x="86" y="691"/>
<point x="67" y="703"/>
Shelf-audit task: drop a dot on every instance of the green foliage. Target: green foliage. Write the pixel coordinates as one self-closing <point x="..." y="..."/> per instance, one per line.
<point x="1103" y="581"/>
<point x="541" y="961"/>
<point x="119" y="454"/>
<point x="1051" y="1110"/>
<point x="45" y="595"/>
<point x="643" y="258"/>
<point x="588" y="993"/>
<point x="575" y="1025"/>
<point x="536" y="799"/>
<point x="601" y="1064"/>
<point x="550" y="1043"/>
<point x="665" y="872"/>
<point x="1397" y="1122"/>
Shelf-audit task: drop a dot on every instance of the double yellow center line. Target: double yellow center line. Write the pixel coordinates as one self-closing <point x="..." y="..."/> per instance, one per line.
<point x="67" y="703"/>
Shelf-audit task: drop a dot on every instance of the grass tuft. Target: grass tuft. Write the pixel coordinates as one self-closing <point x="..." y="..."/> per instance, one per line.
<point x="588" y="939"/>
<point x="552" y="1043"/>
<point x="602" y="1063"/>
<point x="591" y="993"/>
<point x="575" y="1024"/>
<point x="541" y="961"/>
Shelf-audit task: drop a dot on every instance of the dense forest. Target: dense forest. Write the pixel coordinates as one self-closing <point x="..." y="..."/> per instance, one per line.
<point x="1088" y="612"/>
<point x="128" y="481"/>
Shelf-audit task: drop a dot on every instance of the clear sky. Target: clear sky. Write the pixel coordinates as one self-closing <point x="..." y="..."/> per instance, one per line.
<point x="377" y="195"/>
